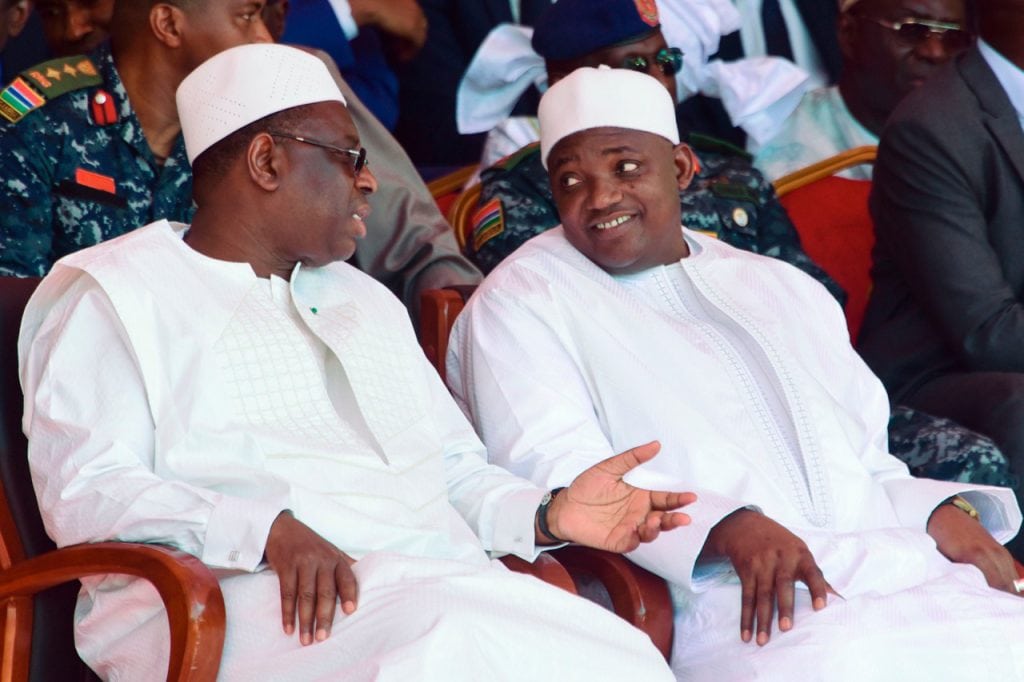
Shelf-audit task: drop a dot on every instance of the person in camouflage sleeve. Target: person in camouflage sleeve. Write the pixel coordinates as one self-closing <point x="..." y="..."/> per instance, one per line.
<point x="728" y="198"/>
<point x="104" y="154"/>
<point x="100" y="152"/>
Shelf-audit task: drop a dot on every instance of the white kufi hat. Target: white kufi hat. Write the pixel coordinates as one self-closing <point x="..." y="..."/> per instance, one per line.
<point x="603" y="97"/>
<point x="244" y="84"/>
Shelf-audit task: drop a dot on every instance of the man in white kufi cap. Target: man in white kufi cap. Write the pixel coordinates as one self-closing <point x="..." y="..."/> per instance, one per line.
<point x="812" y="553"/>
<point x="234" y="389"/>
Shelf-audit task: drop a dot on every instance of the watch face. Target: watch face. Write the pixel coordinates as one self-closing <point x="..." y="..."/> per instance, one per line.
<point x="546" y="499"/>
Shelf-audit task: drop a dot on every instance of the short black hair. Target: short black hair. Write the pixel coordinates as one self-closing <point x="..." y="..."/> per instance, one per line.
<point x="218" y="159"/>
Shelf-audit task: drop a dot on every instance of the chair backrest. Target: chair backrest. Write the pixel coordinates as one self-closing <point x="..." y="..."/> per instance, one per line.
<point x="462" y="212"/>
<point x="831" y="215"/>
<point x="447" y="188"/>
<point x="22" y="534"/>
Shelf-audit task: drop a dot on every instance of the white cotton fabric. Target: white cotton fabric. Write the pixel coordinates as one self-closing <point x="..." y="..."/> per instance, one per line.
<point x="174" y="398"/>
<point x="502" y="69"/>
<point x="243" y="84"/>
<point x="820" y="127"/>
<point x="560" y="365"/>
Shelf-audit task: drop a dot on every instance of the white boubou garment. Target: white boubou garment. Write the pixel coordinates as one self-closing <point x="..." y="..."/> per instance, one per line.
<point x="740" y="366"/>
<point x="175" y="398"/>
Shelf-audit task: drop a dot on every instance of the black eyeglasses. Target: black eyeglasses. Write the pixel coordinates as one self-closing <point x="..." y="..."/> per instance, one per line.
<point x="668" y="59"/>
<point x="358" y="155"/>
<point x="912" y="31"/>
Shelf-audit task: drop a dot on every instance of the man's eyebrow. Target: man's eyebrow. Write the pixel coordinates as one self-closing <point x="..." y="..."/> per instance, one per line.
<point x="561" y="160"/>
<point x="621" y="149"/>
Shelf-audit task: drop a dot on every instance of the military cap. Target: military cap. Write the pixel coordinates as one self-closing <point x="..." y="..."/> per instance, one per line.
<point x="570" y="29"/>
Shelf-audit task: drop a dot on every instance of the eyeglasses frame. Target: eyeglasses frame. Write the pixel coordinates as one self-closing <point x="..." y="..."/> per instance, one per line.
<point x="359" y="155"/>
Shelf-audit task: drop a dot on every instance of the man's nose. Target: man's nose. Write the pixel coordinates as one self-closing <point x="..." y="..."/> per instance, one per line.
<point x="933" y="48"/>
<point x="78" y="23"/>
<point x="366" y="181"/>
<point x="605" y="192"/>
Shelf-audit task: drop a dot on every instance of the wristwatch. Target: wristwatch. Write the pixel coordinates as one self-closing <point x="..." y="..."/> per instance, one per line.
<point x="963" y="505"/>
<point x="542" y="515"/>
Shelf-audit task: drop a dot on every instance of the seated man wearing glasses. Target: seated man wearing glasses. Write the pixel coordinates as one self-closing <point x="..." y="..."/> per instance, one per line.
<point x="232" y="388"/>
<point x="889" y="48"/>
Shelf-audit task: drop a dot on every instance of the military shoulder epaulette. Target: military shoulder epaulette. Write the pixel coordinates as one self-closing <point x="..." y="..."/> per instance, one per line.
<point x="733" y="190"/>
<point x="36" y="86"/>
<point x="707" y="143"/>
<point x="515" y="158"/>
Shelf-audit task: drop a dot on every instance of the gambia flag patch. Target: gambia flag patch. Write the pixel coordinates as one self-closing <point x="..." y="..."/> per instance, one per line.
<point x="19" y="98"/>
<point x="488" y="223"/>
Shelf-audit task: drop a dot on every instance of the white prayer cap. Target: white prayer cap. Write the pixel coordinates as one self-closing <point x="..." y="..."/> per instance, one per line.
<point x="603" y="97"/>
<point x="243" y="84"/>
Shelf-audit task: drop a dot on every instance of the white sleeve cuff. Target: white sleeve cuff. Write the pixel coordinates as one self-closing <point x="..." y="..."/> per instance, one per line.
<point x="236" y="535"/>
<point x="514" y="525"/>
<point x="915" y="499"/>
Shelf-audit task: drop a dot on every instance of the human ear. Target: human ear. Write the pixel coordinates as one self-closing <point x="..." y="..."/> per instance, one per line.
<point x="166" y="22"/>
<point x="19" y="13"/>
<point x="848" y="34"/>
<point x="265" y="162"/>
<point x="686" y="164"/>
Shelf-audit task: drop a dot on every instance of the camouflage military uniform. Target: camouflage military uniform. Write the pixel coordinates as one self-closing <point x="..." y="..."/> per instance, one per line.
<point x="728" y="199"/>
<point x="731" y="200"/>
<point x="69" y="181"/>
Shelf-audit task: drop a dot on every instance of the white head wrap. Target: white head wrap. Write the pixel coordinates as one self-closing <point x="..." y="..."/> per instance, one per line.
<point x="603" y="97"/>
<point x="244" y="84"/>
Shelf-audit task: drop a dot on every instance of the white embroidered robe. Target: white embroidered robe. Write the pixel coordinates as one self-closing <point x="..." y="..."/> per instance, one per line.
<point x="174" y="398"/>
<point x="559" y="365"/>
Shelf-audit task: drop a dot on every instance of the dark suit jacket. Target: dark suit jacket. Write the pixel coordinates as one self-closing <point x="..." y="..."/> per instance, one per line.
<point x="427" y="85"/>
<point x="948" y="205"/>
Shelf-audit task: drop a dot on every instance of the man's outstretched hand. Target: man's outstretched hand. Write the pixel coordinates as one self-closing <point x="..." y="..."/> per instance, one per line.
<point x="768" y="559"/>
<point x="313" y="573"/>
<point x="600" y="510"/>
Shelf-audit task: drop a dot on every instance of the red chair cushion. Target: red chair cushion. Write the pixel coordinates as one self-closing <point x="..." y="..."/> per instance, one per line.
<point x="831" y="215"/>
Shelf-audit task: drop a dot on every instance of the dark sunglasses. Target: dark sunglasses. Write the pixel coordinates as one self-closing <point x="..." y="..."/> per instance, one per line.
<point x="913" y="31"/>
<point x="358" y="155"/>
<point x="668" y="59"/>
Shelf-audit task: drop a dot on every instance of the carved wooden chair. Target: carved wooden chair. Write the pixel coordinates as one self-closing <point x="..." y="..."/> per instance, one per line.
<point x="38" y="582"/>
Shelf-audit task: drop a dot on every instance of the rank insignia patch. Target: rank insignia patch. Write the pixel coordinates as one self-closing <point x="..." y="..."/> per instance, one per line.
<point x="488" y="223"/>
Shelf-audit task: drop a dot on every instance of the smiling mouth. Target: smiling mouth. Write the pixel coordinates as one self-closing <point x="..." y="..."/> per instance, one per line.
<point x="614" y="222"/>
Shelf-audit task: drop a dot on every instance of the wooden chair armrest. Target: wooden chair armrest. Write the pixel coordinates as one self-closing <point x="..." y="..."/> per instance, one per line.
<point x="636" y="594"/>
<point x="545" y="567"/>
<point x="190" y="592"/>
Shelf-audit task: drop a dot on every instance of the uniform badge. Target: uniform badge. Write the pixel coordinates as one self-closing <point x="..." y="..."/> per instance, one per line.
<point x="740" y="216"/>
<point x="488" y="223"/>
<point x="19" y="98"/>
<point x="648" y="11"/>
<point x="103" y="183"/>
<point x="102" y="109"/>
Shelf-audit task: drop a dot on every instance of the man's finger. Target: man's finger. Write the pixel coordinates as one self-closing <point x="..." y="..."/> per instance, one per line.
<point x="621" y="464"/>
<point x="817" y="585"/>
<point x="306" y="604"/>
<point x="785" y="595"/>
<point x="747" y="594"/>
<point x="348" y="589"/>
<point x="667" y="501"/>
<point x="674" y="520"/>
<point x="288" y="582"/>
<point x="326" y="603"/>
<point x="765" y="608"/>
